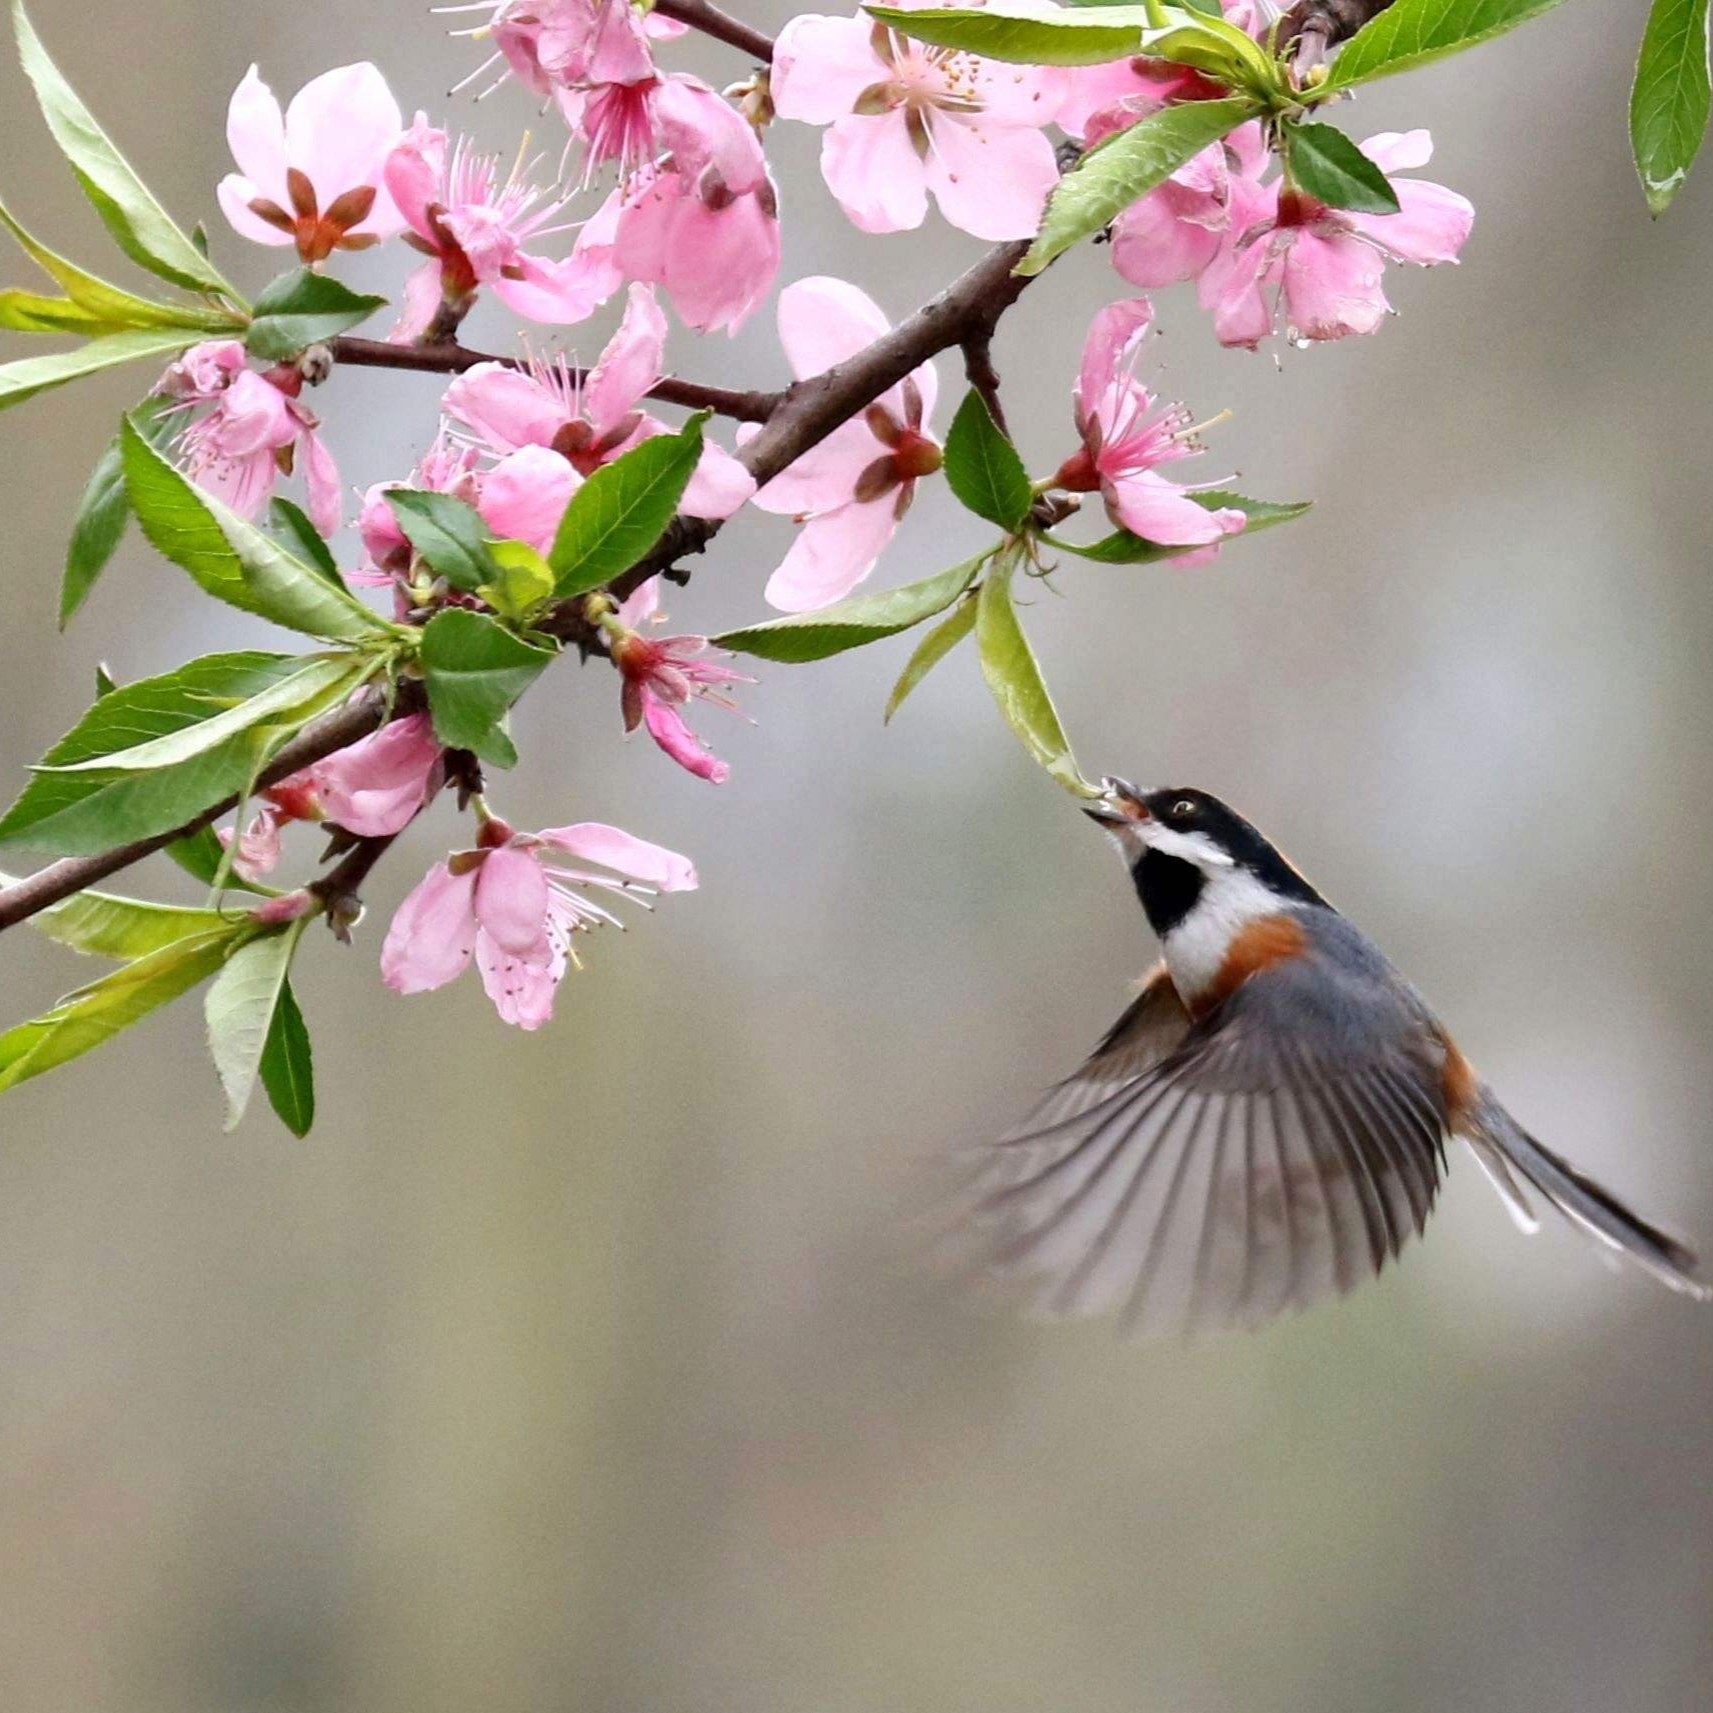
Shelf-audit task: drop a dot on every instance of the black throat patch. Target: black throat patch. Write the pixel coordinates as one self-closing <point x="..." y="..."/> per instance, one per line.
<point x="1168" y="887"/>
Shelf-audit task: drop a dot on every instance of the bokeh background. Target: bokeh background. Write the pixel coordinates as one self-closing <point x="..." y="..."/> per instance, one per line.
<point x="597" y="1369"/>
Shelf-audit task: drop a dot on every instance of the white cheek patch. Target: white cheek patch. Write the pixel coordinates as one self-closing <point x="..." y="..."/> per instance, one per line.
<point x="1195" y="950"/>
<point x="1195" y="848"/>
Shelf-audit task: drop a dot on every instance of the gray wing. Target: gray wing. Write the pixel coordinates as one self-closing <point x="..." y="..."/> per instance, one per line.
<point x="1224" y="1172"/>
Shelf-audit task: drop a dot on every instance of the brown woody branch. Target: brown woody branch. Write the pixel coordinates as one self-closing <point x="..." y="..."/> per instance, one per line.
<point x="1318" y="26"/>
<point x="711" y="21"/>
<point x="450" y="358"/>
<point x="804" y="416"/>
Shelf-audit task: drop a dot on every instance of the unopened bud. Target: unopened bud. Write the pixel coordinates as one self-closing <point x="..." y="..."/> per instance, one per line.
<point x="315" y="364"/>
<point x="288" y="907"/>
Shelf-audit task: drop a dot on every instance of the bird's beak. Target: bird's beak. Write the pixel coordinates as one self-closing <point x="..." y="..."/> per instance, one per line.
<point x="1122" y="805"/>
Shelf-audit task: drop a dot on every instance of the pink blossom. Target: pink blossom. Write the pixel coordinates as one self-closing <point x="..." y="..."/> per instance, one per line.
<point x="258" y="846"/>
<point x="1322" y="266"/>
<point x="514" y="903"/>
<point x="473" y="225"/>
<point x="553" y="44"/>
<point x="588" y="421"/>
<point x="850" y="491"/>
<point x="313" y="177"/>
<point x="1100" y="99"/>
<point x="254" y="430"/>
<point x="1177" y="229"/>
<point x="1125" y="437"/>
<point x="661" y="676"/>
<point x="908" y="119"/>
<point x="375" y="786"/>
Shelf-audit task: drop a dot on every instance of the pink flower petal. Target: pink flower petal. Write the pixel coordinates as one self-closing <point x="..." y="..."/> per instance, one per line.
<point x="255" y="133"/>
<point x="375" y="787"/>
<point x="718" y="485"/>
<point x="525" y="495"/>
<point x="630" y="364"/>
<point x="1431" y="225"/>
<point x="433" y="933"/>
<point x="522" y="992"/>
<point x="1154" y="243"/>
<point x="1332" y="286"/>
<point x="873" y="169"/>
<point x="672" y="732"/>
<point x="991" y="181"/>
<point x="1111" y="336"/>
<point x="623" y="853"/>
<point x="821" y="65"/>
<point x="235" y="194"/>
<point x="1231" y="287"/>
<point x="413" y="173"/>
<point x="321" y="479"/>
<point x="504" y="406"/>
<point x="1146" y="504"/>
<point x="558" y="294"/>
<point x="511" y="903"/>
<point x="1399" y="151"/>
<point x="832" y="554"/>
<point x="422" y="297"/>
<point x="826" y="475"/>
<point x="825" y="321"/>
<point x="339" y="129"/>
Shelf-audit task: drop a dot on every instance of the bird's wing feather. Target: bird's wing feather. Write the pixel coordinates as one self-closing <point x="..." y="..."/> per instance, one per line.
<point x="1223" y="1172"/>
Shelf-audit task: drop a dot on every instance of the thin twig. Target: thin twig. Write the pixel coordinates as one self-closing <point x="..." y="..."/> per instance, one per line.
<point x="982" y="375"/>
<point x="451" y="358"/>
<point x="711" y="21"/>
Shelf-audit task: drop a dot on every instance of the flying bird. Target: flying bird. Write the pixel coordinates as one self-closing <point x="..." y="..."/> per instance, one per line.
<point x="1266" y="1125"/>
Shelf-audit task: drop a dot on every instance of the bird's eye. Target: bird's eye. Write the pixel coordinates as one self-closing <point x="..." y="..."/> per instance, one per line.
<point x="1184" y="810"/>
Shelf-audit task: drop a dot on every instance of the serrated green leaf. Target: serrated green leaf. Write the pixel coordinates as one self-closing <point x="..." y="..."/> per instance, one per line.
<point x="1669" y="101"/>
<point x="1114" y="173"/>
<point x="474" y="669"/>
<point x="300" y="308"/>
<point x="288" y="1066"/>
<point x="1123" y="548"/>
<point x="496" y="749"/>
<point x="31" y="375"/>
<point x="1413" y="32"/>
<point x="524" y="582"/>
<point x="1087" y="36"/>
<point x="930" y="651"/>
<point x="78" y="814"/>
<point x="102" y="514"/>
<point x="1332" y="169"/>
<point x="983" y="468"/>
<point x="448" y="533"/>
<point x="230" y="557"/>
<point x="623" y="510"/>
<point x="850" y="624"/>
<point x="1014" y="676"/>
<point x="111" y="307"/>
<point x="318" y="681"/>
<point x="108" y="926"/>
<point x="240" y="1009"/>
<point x="143" y="228"/>
<point x="291" y="522"/>
<point x="94" y="1014"/>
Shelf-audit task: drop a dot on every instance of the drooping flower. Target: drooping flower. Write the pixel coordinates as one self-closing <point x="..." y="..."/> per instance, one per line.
<point x="255" y="428"/>
<point x="1126" y="436"/>
<point x="908" y="120"/>
<point x="660" y="676"/>
<point x="850" y="491"/>
<point x="1321" y="267"/>
<point x="473" y="226"/>
<point x="590" y="420"/>
<point x="550" y="45"/>
<point x="514" y="903"/>
<point x="313" y="177"/>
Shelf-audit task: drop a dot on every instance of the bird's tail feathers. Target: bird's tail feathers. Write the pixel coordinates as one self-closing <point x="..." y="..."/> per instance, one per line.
<point x="1498" y="1141"/>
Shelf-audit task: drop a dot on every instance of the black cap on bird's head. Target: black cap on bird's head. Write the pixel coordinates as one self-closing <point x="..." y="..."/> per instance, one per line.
<point x="1177" y="839"/>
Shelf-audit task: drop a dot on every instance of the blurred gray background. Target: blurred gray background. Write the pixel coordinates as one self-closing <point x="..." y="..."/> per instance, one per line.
<point x="596" y="1369"/>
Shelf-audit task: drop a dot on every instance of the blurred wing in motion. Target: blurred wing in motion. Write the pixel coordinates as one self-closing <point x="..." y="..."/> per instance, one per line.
<point x="1196" y="1175"/>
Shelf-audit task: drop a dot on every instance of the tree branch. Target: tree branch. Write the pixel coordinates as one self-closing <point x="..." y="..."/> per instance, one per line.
<point x="1318" y="26"/>
<point x="804" y="416"/>
<point x="451" y="358"/>
<point x="711" y="21"/>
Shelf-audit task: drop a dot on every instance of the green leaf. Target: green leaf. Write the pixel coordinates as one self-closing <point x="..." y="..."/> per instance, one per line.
<point x="447" y="533"/>
<point x="33" y="312"/>
<point x="1670" y="99"/>
<point x="930" y="651"/>
<point x="1014" y="676"/>
<point x="288" y="1068"/>
<point x="1125" y="166"/>
<point x="523" y="584"/>
<point x="496" y="749"/>
<point x="112" y="927"/>
<point x="1123" y="548"/>
<point x="78" y="814"/>
<point x="110" y="307"/>
<point x="475" y="669"/>
<point x="1413" y="32"/>
<point x="623" y="510"/>
<point x="1330" y="167"/>
<point x="320" y="679"/>
<point x="31" y="375"/>
<point x="983" y="468"/>
<point x="143" y="228"/>
<point x="94" y="1014"/>
<point x="300" y="308"/>
<point x="240" y="1009"/>
<point x="1088" y="36"/>
<point x="850" y="624"/>
<point x="292" y="522"/>
<point x="231" y="558"/>
<point x="102" y="514"/>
